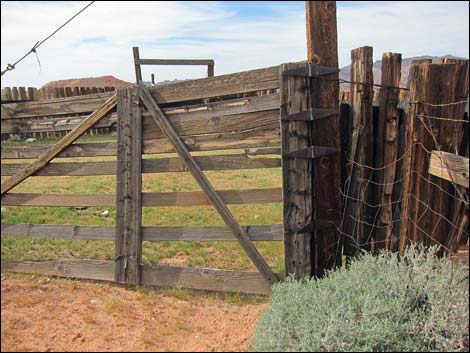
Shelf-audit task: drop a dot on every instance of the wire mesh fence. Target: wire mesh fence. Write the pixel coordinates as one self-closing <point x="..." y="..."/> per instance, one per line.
<point x="414" y="189"/>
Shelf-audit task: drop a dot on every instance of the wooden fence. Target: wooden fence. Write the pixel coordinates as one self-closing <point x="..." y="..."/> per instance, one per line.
<point x="45" y="123"/>
<point x="250" y="123"/>
<point x="389" y="198"/>
<point x="397" y="190"/>
<point x="14" y="94"/>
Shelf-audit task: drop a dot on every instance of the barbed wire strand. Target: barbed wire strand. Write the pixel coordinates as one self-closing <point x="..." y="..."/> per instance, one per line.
<point x="39" y="43"/>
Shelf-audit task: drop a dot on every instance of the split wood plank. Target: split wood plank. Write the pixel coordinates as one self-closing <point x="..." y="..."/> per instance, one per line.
<point x="358" y="215"/>
<point x="207" y="187"/>
<point x="149" y="233"/>
<point x="128" y="242"/>
<point x="403" y="240"/>
<point x="60" y="146"/>
<point x="386" y="148"/>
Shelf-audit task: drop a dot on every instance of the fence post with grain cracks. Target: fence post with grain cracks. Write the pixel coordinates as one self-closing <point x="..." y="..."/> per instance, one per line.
<point x="434" y="123"/>
<point x="310" y="149"/>
<point x="128" y="243"/>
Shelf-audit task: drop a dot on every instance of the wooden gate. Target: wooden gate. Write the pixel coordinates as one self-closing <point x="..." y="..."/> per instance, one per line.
<point x="237" y="111"/>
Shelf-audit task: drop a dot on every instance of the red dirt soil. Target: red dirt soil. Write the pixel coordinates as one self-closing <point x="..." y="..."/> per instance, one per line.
<point x="48" y="314"/>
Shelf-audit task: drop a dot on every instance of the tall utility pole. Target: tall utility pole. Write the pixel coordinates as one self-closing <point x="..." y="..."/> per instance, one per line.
<point x="322" y="45"/>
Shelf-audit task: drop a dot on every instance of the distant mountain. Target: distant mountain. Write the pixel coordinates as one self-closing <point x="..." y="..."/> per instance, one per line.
<point x="345" y="72"/>
<point x="102" y="81"/>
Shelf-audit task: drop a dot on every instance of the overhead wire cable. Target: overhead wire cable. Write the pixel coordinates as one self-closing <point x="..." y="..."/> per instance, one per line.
<point x="39" y="43"/>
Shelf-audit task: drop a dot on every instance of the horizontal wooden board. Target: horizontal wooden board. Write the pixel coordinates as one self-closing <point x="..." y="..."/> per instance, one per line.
<point x="176" y="61"/>
<point x="58" y="106"/>
<point x="217" y="109"/>
<point x="216" y="86"/>
<point x="231" y="84"/>
<point x="59" y="231"/>
<point x="221" y="116"/>
<point x="153" y="275"/>
<point x="205" y="279"/>
<point x="190" y="198"/>
<point x="451" y="167"/>
<point x="49" y="124"/>
<point x="232" y="123"/>
<point x="209" y="142"/>
<point x="149" y="233"/>
<point x="159" y="165"/>
<point x="83" y="269"/>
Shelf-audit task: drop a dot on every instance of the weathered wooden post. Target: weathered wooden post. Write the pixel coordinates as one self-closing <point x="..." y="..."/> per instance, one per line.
<point x="210" y="70"/>
<point x="138" y="71"/>
<point x="310" y="148"/>
<point x="425" y="205"/>
<point x="358" y="189"/>
<point x="387" y="148"/>
<point x="460" y="208"/>
<point x="128" y="243"/>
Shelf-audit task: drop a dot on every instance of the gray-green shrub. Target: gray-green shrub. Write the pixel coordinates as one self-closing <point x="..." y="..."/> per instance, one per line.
<point x="379" y="303"/>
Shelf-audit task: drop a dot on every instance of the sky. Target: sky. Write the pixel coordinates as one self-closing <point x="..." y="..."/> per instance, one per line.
<point x="238" y="35"/>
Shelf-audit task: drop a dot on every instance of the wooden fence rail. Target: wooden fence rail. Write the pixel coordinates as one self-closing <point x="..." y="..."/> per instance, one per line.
<point x="209" y="114"/>
<point x="41" y="118"/>
<point x="398" y="191"/>
<point x="11" y="94"/>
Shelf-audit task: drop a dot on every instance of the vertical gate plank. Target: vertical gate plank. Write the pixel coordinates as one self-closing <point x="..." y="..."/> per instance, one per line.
<point x="296" y="175"/>
<point x="128" y="243"/>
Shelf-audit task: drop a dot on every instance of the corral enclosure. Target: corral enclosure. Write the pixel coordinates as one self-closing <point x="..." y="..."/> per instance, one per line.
<point x="299" y="180"/>
<point x="223" y="126"/>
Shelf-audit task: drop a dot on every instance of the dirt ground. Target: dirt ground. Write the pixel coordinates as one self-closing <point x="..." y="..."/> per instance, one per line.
<point x="50" y="314"/>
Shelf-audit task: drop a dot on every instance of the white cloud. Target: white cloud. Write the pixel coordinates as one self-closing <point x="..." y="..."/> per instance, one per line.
<point x="409" y="27"/>
<point x="99" y="42"/>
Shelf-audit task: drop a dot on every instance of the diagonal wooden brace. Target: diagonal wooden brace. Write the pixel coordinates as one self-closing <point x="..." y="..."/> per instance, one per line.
<point x="240" y="234"/>
<point x="70" y="138"/>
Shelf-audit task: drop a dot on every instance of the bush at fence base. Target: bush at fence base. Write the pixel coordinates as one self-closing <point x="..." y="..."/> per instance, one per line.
<point x="378" y="304"/>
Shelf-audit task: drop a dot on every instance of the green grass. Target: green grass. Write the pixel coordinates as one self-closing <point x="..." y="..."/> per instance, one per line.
<point x="226" y="255"/>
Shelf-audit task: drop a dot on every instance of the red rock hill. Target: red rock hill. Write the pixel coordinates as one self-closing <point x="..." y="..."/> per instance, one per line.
<point x="103" y="81"/>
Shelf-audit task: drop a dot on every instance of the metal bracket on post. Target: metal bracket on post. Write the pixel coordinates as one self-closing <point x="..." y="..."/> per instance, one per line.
<point x="311" y="114"/>
<point x="312" y="152"/>
<point x="311" y="70"/>
<point x="316" y="225"/>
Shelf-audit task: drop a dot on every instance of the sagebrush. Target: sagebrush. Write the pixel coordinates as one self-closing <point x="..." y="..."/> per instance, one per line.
<point x="379" y="303"/>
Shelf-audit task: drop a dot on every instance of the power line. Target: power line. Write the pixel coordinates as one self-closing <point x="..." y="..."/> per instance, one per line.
<point x="38" y="44"/>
